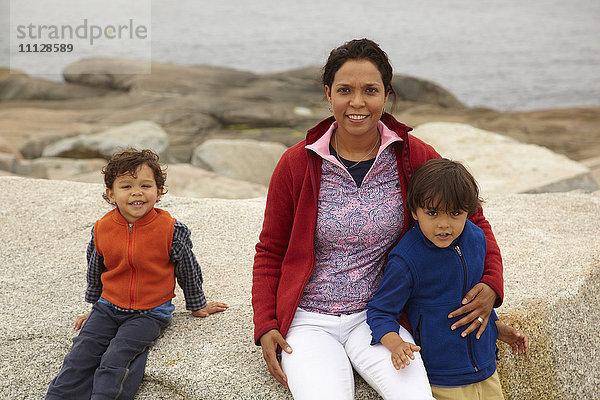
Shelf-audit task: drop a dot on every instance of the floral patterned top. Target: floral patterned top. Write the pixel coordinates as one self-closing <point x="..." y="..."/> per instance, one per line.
<point x="355" y="227"/>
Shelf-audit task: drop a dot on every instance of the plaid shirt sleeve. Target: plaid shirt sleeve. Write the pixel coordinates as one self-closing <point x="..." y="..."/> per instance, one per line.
<point x="187" y="270"/>
<point x="95" y="268"/>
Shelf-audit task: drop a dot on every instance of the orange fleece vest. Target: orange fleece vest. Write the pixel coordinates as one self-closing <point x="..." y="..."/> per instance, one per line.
<point x="139" y="273"/>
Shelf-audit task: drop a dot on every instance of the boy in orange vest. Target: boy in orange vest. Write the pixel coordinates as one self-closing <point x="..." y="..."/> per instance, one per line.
<point x="136" y="253"/>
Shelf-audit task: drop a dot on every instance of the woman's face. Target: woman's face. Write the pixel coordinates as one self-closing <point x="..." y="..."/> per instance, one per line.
<point x="357" y="96"/>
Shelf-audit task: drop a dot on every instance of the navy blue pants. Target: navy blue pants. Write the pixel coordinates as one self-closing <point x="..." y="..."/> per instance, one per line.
<point x="108" y="357"/>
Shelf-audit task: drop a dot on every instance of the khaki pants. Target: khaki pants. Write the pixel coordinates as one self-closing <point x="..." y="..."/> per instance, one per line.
<point x="489" y="389"/>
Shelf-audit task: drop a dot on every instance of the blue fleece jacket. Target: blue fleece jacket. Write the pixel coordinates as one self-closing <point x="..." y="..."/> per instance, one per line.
<point x="431" y="282"/>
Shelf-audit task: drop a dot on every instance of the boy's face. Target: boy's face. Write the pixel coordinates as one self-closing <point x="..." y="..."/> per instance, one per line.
<point x="135" y="196"/>
<point x="440" y="227"/>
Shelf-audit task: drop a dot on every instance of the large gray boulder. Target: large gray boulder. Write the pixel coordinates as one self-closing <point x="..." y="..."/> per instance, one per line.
<point x="503" y="165"/>
<point x="23" y="87"/>
<point x="247" y="160"/>
<point x="8" y="161"/>
<point x="552" y="292"/>
<point x="193" y="103"/>
<point x="185" y="180"/>
<point x="409" y="88"/>
<point x="33" y="147"/>
<point x="259" y="115"/>
<point x="59" y="168"/>
<point x="571" y="131"/>
<point x="594" y="165"/>
<point x="285" y="136"/>
<point x="300" y="86"/>
<point x="30" y="129"/>
<point x="552" y="285"/>
<point x="138" y="75"/>
<point x="138" y="134"/>
<point x="9" y="156"/>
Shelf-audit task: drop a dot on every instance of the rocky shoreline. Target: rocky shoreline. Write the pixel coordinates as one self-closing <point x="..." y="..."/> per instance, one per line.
<point x="43" y="123"/>
<point x="221" y="131"/>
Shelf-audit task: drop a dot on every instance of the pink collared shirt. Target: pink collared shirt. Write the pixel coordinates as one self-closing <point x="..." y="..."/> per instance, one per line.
<point x="355" y="227"/>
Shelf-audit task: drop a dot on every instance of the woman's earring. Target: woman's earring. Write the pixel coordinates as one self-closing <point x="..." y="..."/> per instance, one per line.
<point x="330" y="110"/>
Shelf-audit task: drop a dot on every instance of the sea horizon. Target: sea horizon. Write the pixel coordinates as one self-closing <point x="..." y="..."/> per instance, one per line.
<point x="508" y="56"/>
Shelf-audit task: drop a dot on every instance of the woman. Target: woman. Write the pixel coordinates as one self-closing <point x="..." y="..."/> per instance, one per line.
<point x="334" y="209"/>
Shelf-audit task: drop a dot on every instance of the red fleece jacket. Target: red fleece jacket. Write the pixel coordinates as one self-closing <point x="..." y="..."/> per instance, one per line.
<point x="285" y="255"/>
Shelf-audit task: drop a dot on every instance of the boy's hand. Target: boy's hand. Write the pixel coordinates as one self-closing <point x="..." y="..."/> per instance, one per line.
<point x="401" y="354"/>
<point x="401" y="350"/>
<point x="211" y="308"/>
<point x="478" y="302"/>
<point x="516" y="339"/>
<point x="80" y="321"/>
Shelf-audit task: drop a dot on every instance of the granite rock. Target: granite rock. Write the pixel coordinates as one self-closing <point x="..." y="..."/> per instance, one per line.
<point x="409" y="88"/>
<point x="185" y="180"/>
<point x="22" y="87"/>
<point x="503" y="165"/>
<point x="193" y="103"/>
<point x="243" y="159"/>
<point x="572" y="131"/>
<point x="552" y="281"/>
<point x="138" y="134"/>
<point x="60" y="168"/>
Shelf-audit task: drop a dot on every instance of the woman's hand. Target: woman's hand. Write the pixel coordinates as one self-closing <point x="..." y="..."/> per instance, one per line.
<point x="478" y="303"/>
<point x="211" y="308"/>
<point x="80" y="321"/>
<point x="269" y="342"/>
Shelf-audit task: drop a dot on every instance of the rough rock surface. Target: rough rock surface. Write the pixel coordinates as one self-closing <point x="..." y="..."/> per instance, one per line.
<point x="552" y="281"/>
<point x="195" y="103"/>
<point x="503" y="165"/>
<point x="138" y="134"/>
<point x="573" y="132"/>
<point x="22" y="87"/>
<point x="244" y="159"/>
<point x="594" y="165"/>
<point x="60" y="168"/>
<point x="188" y="181"/>
<point x="182" y="179"/>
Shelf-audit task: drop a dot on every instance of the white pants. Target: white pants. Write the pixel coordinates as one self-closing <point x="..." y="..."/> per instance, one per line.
<point x="326" y="347"/>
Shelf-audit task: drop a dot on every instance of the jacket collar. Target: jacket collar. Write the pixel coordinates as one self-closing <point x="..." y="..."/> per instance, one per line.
<point x="321" y="145"/>
<point x="428" y="242"/>
<point x="146" y="219"/>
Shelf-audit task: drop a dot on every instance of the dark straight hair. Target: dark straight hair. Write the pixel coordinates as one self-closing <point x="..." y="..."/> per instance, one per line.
<point x="443" y="185"/>
<point x="360" y="49"/>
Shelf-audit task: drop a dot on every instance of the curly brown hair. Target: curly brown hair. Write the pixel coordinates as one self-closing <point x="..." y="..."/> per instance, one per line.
<point x="127" y="162"/>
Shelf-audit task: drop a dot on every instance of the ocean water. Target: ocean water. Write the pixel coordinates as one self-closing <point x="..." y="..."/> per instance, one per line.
<point x="508" y="55"/>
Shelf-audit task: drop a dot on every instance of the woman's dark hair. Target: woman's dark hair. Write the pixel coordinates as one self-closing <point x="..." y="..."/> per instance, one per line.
<point x="360" y="49"/>
<point x="127" y="162"/>
<point x="443" y="185"/>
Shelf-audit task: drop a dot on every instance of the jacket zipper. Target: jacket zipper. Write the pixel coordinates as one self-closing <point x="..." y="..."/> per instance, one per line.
<point x="464" y="291"/>
<point x="419" y="334"/>
<point x="130" y="258"/>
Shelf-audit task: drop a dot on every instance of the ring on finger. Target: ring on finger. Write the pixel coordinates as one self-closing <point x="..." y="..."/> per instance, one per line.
<point x="480" y="320"/>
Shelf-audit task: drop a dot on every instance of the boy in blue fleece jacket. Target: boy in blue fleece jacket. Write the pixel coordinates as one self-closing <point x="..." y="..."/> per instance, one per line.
<point x="428" y="274"/>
